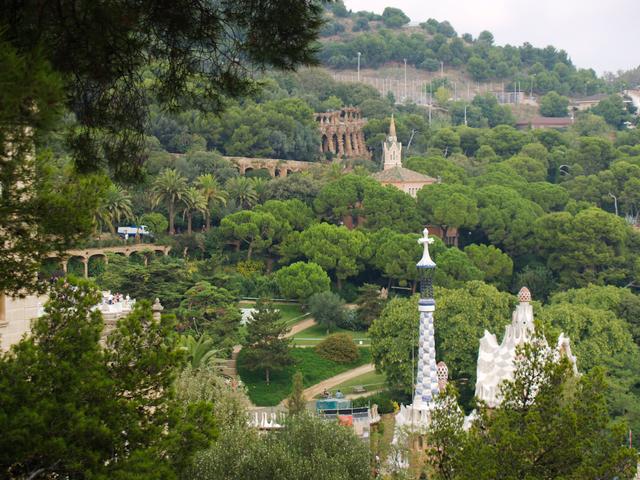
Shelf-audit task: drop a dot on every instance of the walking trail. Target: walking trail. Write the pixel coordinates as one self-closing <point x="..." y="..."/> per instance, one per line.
<point x="318" y="388"/>
<point x="300" y="326"/>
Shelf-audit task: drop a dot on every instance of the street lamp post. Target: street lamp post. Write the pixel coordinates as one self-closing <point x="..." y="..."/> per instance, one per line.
<point x="359" y="65"/>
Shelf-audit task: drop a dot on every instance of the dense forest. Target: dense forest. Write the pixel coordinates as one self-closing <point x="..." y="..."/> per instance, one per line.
<point x="554" y="210"/>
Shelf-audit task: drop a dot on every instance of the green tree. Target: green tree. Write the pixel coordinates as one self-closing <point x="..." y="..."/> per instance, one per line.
<point x="307" y="446"/>
<point x="266" y="347"/>
<point x="294" y="212"/>
<point x="613" y="110"/>
<point x="156" y="222"/>
<point x="200" y="353"/>
<point x="165" y="278"/>
<point x="335" y="249"/>
<point x="327" y="309"/>
<point x="396" y="255"/>
<point x="497" y="266"/>
<point x="579" y="253"/>
<point x="211" y="310"/>
<point x="169" y="188"/>
<point x="394" y="17"/>
<point x="394" y="342"/>
<point x="622" y="301"/>
<point x="370" y="305"/>
<point x="255" y="229"/>
<point x="213" y="194"/>
<point x="75" y="408"/>
<point x="108" y="96"/>
<point x="297" y="403"/>
<point x="342" y="200"/>
<point x="115" y="207"/>
<point x="564" y="431"/>
<point x="554" y="105"/>
<point x="507" y="218"/>
<point x="301" y="280"/>
<point x="448" y="206"/>
<point x="193" y="201"/>
<point x="455" y="268"/>
<point x="242" y="191"/>
<point x="392" y="208"/>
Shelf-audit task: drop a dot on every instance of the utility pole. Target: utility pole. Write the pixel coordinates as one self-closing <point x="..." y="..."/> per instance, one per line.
<point x="405" y="79"/>
<point x="359" y="65"/>
<point x="465" y="114"/>
<point x="441" y="69"/>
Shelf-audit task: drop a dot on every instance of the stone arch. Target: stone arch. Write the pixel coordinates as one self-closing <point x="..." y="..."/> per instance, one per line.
<point x="334" y="143"/>
<point x="247" y="170"/>
<point x="138" y="257"/>
<point x="290" y="171"/>
<point x="97" y="263"/>
<point x="325" y="143"/>
<point x="78" y="265"/>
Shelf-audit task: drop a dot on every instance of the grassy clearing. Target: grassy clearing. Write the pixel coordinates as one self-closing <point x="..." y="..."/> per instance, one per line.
<point x="370" y="381"/>
<point x="314" y="335"/>
<point x="313" y="367"/>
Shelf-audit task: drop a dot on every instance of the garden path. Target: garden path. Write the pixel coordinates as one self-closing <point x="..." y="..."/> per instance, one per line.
<point x="318" y="388"/>
<point x="300" y="326"/>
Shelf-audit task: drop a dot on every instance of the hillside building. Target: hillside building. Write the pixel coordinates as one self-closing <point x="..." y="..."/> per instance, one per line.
<point x="393" y="173"/>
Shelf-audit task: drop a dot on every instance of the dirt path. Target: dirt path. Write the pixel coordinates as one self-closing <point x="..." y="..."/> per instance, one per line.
<point x="300" y="326"/>
<point x="318" y="388"/>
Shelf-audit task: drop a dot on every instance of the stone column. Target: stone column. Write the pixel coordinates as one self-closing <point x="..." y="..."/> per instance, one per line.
<point x="64" y="265"/>
<point x="85" y="264"/>
<point x="340" y="145"/>
<point x="157" y="309"/>
<point x="348" y="146"/>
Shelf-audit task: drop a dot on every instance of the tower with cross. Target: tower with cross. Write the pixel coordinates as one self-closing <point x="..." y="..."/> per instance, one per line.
<point x="426" y="388"/>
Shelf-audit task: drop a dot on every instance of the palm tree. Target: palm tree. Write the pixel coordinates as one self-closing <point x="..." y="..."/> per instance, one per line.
<point x="213" y="194"/>
<point x="193" y="201"/>
<point x="116" y="206"/>
<point x="242" y="191"/>
<point x="169" y="187"/>
<point x="199" y="352"/>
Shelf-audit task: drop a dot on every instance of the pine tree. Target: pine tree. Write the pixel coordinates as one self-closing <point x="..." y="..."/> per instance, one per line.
<point x="297" y="403"/>
<point x="266" y="347"/>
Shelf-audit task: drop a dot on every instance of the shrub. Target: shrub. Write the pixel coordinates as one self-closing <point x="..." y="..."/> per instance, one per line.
<point x="327" y="309"/>
<point x="384" y="400"/>
<point x="338" y="347"/>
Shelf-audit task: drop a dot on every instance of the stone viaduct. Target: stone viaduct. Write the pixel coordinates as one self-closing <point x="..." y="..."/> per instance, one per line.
<point x="342" y="133"/>
<point x="84" y="254"/>
<point x="275" y="167"/>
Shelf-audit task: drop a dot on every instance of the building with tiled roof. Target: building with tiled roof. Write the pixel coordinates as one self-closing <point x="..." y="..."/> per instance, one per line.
<point x="393" y="173"/>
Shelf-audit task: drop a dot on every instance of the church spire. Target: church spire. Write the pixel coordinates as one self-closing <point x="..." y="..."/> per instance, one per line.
<point x="392" y="148"/>
<point x="392" y="130"/>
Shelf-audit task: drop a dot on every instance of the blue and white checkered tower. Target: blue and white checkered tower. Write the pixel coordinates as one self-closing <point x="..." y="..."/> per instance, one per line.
<point x="427" y="380"/>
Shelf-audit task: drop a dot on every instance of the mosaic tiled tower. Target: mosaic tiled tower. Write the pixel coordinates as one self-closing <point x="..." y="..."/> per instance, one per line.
<point x="427" y="388"/>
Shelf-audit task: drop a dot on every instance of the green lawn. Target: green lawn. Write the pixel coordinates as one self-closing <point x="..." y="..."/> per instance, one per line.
<point x="314" y="335"/>
<point x="370" y="381"/>
<point x="313" y="367"/>
<point x="291" y="312"/>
